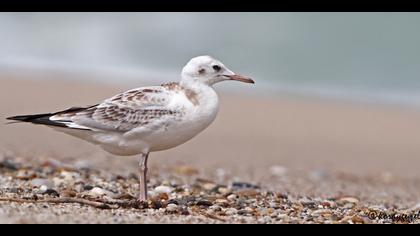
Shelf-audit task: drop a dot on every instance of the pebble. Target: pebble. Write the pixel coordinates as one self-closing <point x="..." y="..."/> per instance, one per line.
<point x="88" y="187"/>
<point x="204" y="203"/>
<point x="25" y="174"/>
<point x="250" y="193"/>
<point x="265" y="220"/>
<point x="215" y="208"/>
<point x="232" y="197"/>
<point x="328" y="204"/>
<point x="68" y="193"/>
<point x="42" y="189"/>
<point x="45" y="190"/>
<point x="172" y="207"/>
<point x="70" y="177"/>
<point x="349" y="200"/>
<point x="163" y="189"/>
<point x="209" y="186"/>
<point x="245" y="211"/>
<point x="308" y="203"/>
<point x="231" y="211"/>
<point x="359" y="220"/>
<point x="52" y="192"/>
<point x="222" y="202"/>
<point x="8" y="164"/>
<point x="99" y="192"/>
<point x="224" y="190"/>
<point x="243" y="185"/>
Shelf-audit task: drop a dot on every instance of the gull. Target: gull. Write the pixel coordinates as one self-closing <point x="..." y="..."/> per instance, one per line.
<point x="147" y="119"/>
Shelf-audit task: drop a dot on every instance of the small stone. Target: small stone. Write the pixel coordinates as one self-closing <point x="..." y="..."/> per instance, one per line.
<point x="349" y="200"/>
<point x="172" y="208"/>
<point x="265" y="220"/>
<point x="99" y="192"/>
<point x="358" y="220"/>
<point x="58" y="182"/>
<point x="69" y="177"/>
<point x="328" y="204"/>
<point x="8" y="164"/>
<point x="248" y="193"/>
<point x="15" y="190"/>
<point x="223" y="190"/>
<point x="204" y="203"/>
<point x="348" y="205"/>
<point x="281" y="216"/>
<point x="163" y="189"/>
<point x="48" y="191"/>
<point x="308" y="203"/>
<point x="222" y="202"/>
<point x="281" y="195"/>
<point x="245" y="211"/>
<point x="232" y="197"/>
<point x="231" y="211"/>
<point x="25" y="174"/>
<point x="215" y="208"/>
<point x="321" y="212"/>
<point x="42" y="189"/>
<point x="68" y="193"/>
<point x="52" y="192"/>
<point x="209" y="186"/>
<point x="243" y="185"/>
<point x="88" y="187"/>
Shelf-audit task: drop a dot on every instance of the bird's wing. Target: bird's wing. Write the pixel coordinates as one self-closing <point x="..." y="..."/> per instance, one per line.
<point x="141" y="107"/>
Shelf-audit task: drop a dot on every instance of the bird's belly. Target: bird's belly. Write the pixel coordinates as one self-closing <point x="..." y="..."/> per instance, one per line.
<point x="162" y="137"/>
<point x="175" y="134"/>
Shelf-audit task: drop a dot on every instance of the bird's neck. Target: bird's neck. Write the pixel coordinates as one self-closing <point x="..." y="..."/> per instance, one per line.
<point x="204" y="93"/>
<point x="195" y="85"/>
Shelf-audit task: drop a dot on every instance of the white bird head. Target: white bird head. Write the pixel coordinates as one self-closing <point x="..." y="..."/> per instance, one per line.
<point x="207" y="70"/>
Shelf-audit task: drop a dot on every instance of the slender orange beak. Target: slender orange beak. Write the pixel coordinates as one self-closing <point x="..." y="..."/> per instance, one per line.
<point x="241" y="79"/>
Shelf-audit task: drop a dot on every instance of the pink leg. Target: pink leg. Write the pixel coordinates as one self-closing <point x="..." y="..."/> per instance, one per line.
<point x="143" y="177"/>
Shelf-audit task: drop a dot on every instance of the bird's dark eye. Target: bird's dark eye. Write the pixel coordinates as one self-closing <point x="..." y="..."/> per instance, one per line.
<point x="217" y="67"/>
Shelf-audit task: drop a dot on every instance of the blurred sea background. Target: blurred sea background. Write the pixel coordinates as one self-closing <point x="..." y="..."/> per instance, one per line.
<point x="369" y="57"/>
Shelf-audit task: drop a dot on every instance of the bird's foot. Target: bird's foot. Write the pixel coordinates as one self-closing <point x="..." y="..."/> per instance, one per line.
<point x="141" y="203"/>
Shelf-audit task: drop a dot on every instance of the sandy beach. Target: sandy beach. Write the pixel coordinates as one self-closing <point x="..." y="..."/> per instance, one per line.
<point x="305" y="148"/>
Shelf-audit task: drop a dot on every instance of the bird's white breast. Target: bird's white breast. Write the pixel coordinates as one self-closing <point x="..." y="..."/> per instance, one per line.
<point x="196" y="117"/>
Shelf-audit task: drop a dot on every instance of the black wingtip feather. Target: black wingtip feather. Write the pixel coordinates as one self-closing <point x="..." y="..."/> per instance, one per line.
<point x="28" y="118"/>
<point x="42" y="119"/>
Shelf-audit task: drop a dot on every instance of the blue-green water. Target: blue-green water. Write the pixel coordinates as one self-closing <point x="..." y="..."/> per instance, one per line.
<point x="367" y="56"/>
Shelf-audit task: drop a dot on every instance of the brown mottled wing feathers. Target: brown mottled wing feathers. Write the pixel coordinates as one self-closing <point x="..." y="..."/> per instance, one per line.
<point x="125" y="111"/>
